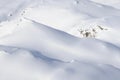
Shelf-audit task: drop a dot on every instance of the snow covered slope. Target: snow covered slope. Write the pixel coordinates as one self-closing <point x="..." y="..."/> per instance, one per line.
<point x="59" y="40"/>
<point x="24" y="64"/>
<point x="112" y="3"/>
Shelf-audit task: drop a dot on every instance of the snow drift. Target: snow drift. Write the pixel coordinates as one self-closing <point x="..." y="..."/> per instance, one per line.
<point x="43" y="40"/>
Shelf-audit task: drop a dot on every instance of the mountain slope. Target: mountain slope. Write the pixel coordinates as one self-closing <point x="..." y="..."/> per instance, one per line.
<point x="55" y="44"/>
<point x="27" y="66"/>
<point x="59" y="40"/>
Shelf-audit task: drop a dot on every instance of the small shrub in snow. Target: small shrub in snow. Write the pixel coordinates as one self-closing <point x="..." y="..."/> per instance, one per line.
<point x="91" y="32"/>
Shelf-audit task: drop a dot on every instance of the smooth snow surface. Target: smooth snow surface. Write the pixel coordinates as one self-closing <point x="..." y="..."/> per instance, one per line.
<point x="59" y="40"/>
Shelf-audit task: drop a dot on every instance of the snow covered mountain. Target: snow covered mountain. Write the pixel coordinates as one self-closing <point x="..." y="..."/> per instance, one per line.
<point x="59" y="40"/>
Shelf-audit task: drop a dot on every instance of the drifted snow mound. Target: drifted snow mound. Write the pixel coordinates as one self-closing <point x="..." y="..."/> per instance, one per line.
<point x="60" y="45"/>
<point x="72" y="15"/>
<point x="25" y="64"/>
<point x="32" y="47"/>
<point x="73" y="11"/>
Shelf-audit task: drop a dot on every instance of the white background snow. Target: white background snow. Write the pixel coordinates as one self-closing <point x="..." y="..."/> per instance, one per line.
<point x="48" y="40"/>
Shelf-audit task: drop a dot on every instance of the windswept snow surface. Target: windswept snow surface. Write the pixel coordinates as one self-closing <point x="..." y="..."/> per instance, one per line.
<point x="47" y="40"/>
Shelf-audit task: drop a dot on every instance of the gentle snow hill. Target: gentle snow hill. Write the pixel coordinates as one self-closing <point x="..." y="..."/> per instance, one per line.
<point x="77" y="14"/>
<point x="74" y="12"/>
<point x="60" y="45"/>
<point x="41" y="39"/>
<point x="18" y="63"/>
